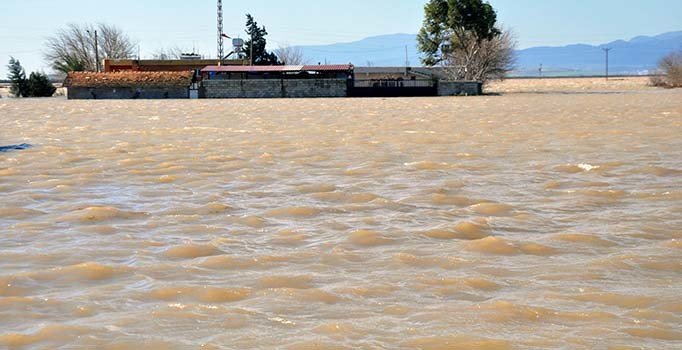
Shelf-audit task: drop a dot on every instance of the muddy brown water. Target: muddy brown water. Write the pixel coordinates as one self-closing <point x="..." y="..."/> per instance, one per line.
<point x="549" y="221"/>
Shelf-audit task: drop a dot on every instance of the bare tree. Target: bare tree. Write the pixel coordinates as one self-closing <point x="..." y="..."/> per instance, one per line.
<point x="73" y="47"/>
<point x="669" y="71"/>
<point x="291" y="55"/>
<point x="481" y="60"/>
<point x="170" y="53"/>
<point x="115" y="44"/>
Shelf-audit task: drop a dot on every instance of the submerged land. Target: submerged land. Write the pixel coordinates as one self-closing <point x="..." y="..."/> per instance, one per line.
<point x="544" y="216"/>
<point x="570" y="85"/>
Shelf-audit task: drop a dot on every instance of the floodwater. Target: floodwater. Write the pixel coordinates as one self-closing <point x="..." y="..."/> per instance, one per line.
<point x="523" y="221"/>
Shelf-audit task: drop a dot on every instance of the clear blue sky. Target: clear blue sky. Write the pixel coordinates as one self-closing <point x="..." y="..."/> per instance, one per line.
<point x="24" y="24"/>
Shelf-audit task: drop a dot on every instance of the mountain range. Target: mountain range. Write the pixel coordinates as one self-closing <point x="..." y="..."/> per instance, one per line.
<point x="638" y="55"/>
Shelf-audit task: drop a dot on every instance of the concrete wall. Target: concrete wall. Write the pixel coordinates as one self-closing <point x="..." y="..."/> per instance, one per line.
<point x="457" y="88"/>
<point x="78" y="93"/>
<point x="274" y="88"/>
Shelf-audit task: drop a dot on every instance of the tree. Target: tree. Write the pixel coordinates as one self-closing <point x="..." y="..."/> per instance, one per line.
<point x="40" y="86"/>
<point x="17" y="78"/>
<point x="73" y="47"/>
<point x="670" y="71"/>
<point x="69" y="64"/>
<point x="37" y="85"/>
<point x="291" y="55"/>
<point x="462" y="35"/>
<point x="171" y="53"/>
<point x="257" y="41"/>
<point x="493" y="61"/>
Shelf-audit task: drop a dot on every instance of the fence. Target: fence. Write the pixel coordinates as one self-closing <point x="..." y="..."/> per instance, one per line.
<point x="393" y="83"/>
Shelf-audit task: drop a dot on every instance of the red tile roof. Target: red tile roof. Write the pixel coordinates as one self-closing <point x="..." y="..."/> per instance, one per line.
<point x="129" y="79"/>
<point x="328" y="67"/>
<point x="281" y="69"/>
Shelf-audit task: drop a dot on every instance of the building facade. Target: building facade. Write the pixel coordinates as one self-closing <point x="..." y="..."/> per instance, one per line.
<point x="128" y="85"/>
<point x="224" y="81"/>
<point x="276" y="81"/>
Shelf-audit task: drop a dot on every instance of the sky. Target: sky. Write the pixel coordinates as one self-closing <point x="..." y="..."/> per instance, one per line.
<point x="156" y="24"/>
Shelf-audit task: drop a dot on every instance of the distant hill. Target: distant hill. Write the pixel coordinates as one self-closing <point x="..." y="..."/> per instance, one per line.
<point x="636" y="56"/>
<point x="383" y="50"/>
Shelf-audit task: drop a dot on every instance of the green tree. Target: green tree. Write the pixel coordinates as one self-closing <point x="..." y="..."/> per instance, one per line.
<point x="256" y="39"/>
<point x="17" y="78"/>
<point x="463" y="36"/>
<point x="40" y="86"/>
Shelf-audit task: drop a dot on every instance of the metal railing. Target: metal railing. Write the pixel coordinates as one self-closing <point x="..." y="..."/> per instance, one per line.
<point x="392" y="83"/>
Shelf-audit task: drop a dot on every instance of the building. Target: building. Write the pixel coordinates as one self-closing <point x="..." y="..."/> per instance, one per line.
<point x="276" y="81"/>
<point x="329" y="81"/>
<point x="129" y="85"/>
<point x="410" y="81"/>
<point x="187" y="64"/>
<point x="225" y="72"/>
<point x="393" y="73"/>
<point x="133" y="79"/>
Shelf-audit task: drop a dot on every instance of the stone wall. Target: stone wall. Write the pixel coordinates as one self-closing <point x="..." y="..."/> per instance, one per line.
<point x="458" y="88"/>
<point x="274" y="88"/>
<point x="79" y="93"/>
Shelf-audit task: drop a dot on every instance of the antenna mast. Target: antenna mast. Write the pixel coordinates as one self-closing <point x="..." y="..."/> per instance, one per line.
<point x="221" y="46"/>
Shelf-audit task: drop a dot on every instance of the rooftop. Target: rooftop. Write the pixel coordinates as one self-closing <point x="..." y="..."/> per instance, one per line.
<point x="171" y="62"/>
<point x="280" y="69"/>
<point x="128" y="79"/>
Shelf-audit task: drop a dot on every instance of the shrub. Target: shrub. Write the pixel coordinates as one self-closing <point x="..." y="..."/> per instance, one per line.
<point x="40" y="86"/>
<point x="670" y="71"/>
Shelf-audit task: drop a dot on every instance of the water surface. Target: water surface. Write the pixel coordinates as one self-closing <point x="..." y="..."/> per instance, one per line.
<point x="505" y="222"/>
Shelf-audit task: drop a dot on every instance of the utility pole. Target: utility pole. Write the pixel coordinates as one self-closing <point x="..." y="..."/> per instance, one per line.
<point x="407" y="58"/>
<point x="606" y="50"/>
<point x="251" y="51"/>
<point x="407" y="62"/>
<point x="96" y="52"/>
